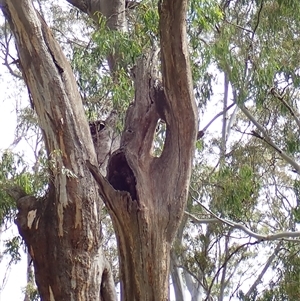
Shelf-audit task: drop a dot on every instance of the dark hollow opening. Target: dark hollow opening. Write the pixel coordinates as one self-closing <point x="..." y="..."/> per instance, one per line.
<point x="120" y="175"/>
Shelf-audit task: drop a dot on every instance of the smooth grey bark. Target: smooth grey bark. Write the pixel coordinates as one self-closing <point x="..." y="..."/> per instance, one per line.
<point x="224" y="121"/>
<point x="176" y="274"/>
<point x="194" y="287"/>
<point x="177" y="280"/>
<point x="224" y="270"/>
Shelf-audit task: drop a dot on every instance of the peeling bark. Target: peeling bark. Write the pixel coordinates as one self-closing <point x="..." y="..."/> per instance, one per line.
<point x="62" y="231"/>
<point x="145" y="195"/>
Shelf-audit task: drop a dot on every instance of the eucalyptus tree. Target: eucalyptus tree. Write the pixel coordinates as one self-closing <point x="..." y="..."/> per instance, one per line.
<point x="145" y="195"/>
<point x="132" y="58"/>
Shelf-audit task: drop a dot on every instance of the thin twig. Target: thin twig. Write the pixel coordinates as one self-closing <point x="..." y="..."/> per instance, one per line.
<point x="265" y="137"/>
<point x="224" y="263"/>
<point x="239" y="26"/>
<point x="258" y="19"/>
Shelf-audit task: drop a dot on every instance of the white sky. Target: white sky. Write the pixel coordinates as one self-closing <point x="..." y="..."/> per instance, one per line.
<point x="17" y="274"/>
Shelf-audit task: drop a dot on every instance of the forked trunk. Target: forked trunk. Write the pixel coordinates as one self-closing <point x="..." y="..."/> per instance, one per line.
<point x="149" y="195"/>
<point x="145" y="195"/>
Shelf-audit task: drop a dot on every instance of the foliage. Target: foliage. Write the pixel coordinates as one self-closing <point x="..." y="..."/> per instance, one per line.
<point x="30" y="290"/>
<point x="100" y="91"/>
<point x="284" y="285"/>
<point x="253" y="185"/>
<point x="12" y="172"/>
<point x="12" y="248"/>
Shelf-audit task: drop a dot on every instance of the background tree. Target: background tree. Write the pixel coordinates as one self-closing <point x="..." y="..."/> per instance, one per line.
<point x="249" y="183"/>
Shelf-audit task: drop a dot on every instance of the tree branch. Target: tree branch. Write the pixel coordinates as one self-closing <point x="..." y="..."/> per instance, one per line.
<point x="224" y="122"/>
<point x="202" y="132"/>
<point x="267" y="139"/>
<point x="265" y="136"/>
<point x="106" y="190"/>
<point x="290" y="109"/>
<point x="181" y="113"/>
<point x="284" y="235"/>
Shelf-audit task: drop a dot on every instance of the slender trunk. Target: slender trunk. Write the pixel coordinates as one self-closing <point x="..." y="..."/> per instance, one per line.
<point x="30" y="278"/>
<point x="224" y="270"/>
<point x="177" y="281"/>
<point x="224" y="124"/>
<point x="176" y="274"/>
<point x="194" y="287"/>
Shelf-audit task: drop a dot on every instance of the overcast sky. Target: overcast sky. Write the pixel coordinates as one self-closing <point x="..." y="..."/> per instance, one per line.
<point x="17" y="276"/>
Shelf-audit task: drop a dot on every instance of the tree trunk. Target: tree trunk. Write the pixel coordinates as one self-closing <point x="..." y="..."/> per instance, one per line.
<point x="150" y="193"/>
<point x="62" y="231"/>
<point x="177" y="280"/>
